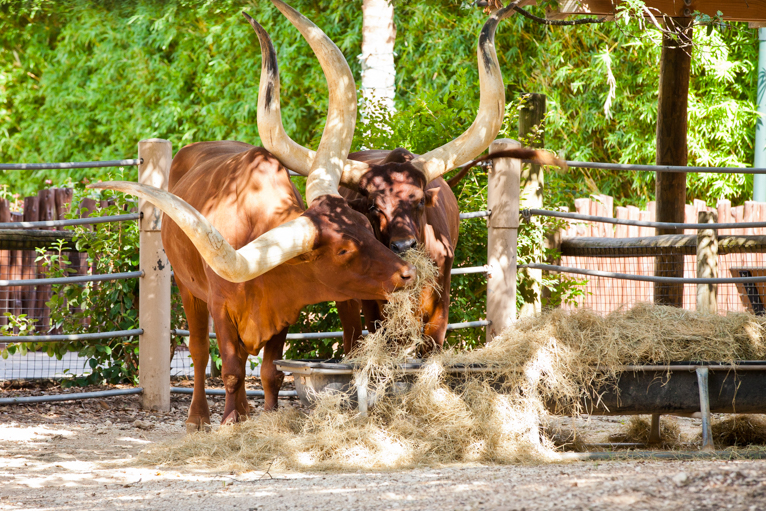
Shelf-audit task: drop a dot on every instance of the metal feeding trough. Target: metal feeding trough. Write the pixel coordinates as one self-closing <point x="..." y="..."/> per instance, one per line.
<point x="683" y="388"/>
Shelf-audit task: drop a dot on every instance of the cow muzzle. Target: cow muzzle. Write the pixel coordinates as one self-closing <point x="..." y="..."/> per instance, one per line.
<point x="402" y="246"/>
<point x="406" y="277"/>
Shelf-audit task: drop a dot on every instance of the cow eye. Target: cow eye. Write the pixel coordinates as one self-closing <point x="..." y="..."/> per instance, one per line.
<point x="422" y="202"/>
<point x="373" y="208"/>
<point x="342" y="252"/>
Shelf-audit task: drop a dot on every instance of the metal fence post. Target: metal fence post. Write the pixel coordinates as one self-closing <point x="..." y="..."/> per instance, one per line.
<point x="154" y="287"/>
<point x="503" y="225"/>
<point x="707" y="263"/>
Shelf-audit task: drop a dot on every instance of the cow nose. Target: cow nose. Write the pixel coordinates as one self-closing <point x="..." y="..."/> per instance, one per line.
<point x="408" y="274"/>
<point x="402" y="246"/>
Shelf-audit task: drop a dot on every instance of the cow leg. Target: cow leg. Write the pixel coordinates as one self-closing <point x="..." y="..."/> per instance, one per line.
<point x="271" y="378"/>
<point x="232" y="365"/>
<point x="438" y="319"/>
<point x="243" y="406"/>
<point x="199" y="347"/>
<point x="372" y="314"/>
<point x="350" y="313"/>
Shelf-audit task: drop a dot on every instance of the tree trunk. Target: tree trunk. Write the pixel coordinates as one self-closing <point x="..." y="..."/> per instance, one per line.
<point x="378" y="72"/>
<point x="670" y="188"/>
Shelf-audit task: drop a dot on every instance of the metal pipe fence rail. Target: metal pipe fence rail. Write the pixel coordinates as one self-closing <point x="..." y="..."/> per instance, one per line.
<point x="643" y="278"/>
<point x="71" y="165"/>
<point x="74" y="221"/>
<point x="73" y="280"/>
<point x="339" y="334"/>
<point x="640" y="223"/>
<point x="72" y="337"/>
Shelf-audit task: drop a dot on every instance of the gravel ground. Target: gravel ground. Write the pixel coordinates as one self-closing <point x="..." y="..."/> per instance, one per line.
<point x="75" y="456"/>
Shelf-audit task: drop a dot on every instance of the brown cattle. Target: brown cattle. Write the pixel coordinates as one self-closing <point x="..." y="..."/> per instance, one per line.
<point x="244" y="250"/>
<point x="403" y="194"/>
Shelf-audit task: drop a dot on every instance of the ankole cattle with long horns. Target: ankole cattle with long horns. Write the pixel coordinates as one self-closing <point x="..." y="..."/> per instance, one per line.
<point x="403" y="194"/>
<point x="246" y="251"/>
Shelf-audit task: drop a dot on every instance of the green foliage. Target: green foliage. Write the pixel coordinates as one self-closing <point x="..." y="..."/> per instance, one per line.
<point x="17" y="325"/>
<point x="85" y="80"/>
<point x="100" y="306"/>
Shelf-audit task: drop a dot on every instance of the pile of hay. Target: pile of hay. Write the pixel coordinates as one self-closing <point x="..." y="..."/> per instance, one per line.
<point x="638" y="430"/>
<point x="556" y="358"/>
<point x="739" y="430"/>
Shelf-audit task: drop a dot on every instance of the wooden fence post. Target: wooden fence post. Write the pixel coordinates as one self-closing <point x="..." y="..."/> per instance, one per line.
<point x="154" y="287"/>
<point x="707" y="263"/>
<point x="531" y="116"/>
<point x="503" y="201"/>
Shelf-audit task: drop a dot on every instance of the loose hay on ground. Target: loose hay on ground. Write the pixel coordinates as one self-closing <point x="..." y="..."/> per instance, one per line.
<point x="638" y="429"/>
<point x="552" y="360"/>
<point x="739" y="430"/>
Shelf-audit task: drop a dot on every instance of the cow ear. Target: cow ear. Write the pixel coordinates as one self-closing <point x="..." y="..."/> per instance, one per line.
<point x="432" y="195"/>
<point x="359" y="204"/>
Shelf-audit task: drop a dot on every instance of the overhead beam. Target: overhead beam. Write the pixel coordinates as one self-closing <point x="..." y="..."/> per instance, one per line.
<point x="732" y="10"/>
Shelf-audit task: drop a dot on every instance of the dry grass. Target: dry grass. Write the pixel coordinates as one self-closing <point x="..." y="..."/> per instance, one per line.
<point x="740" y="430"/>
<point x="555" y="359"/>
<point x="638" y="429"/>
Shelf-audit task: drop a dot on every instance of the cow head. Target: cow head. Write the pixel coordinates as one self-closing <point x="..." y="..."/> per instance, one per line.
<point x="347" y="258"/>
<point x="395" y="199"/>
<point x="395" y="193"/>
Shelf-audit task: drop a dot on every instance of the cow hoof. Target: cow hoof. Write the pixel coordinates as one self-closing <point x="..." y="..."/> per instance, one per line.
<point x="232" y="418"/>
<point x="194" y="427"/>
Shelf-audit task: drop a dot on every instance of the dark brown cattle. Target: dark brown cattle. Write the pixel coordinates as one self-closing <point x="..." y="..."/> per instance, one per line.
<point x="245" y="251"/>
<point x="405" y="211"/>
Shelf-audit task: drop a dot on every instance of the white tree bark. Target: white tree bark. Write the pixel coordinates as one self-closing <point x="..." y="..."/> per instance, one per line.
<point x="378" y="72"/>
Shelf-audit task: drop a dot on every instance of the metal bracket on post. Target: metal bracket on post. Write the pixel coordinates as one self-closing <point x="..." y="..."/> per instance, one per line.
<point x="707" y="430"/>
<point x="154" y="287"/>
<point x="503" y="226"/>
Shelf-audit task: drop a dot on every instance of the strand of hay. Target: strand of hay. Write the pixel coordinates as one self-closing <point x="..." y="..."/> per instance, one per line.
<point x="437" y="417"/>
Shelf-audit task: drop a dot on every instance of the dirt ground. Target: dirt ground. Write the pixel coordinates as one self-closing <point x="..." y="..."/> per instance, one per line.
<point x="77" y="455"/>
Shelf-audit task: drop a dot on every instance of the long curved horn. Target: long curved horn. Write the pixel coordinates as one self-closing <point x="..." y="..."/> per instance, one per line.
<point x="273" y="136"/>
<point x="489" y="118"/>
<point x="271" y="249"/>
<point x="327" y="166"/>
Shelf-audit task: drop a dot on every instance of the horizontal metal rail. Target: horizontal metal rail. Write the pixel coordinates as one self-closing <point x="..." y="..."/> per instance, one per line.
<point x="468" y="324"/>
<point x="69" y="397"/>
<point x="475" y="214"/>
<point x="470" y="269"/>
<point x="641" y="223"/>
<point x="73" y="280"/>
<point x="72" y="337"/>
<point x="70" y="165"/>
<point x="331" y="335"/>
<point x="73" y="221"/>
<point x="643" y="278"/>
<point x="664" y="168"/>
<point x="221" y="392"/>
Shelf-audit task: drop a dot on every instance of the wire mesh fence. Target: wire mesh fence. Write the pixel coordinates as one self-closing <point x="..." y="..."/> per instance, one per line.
<point x="606" y="294"/>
